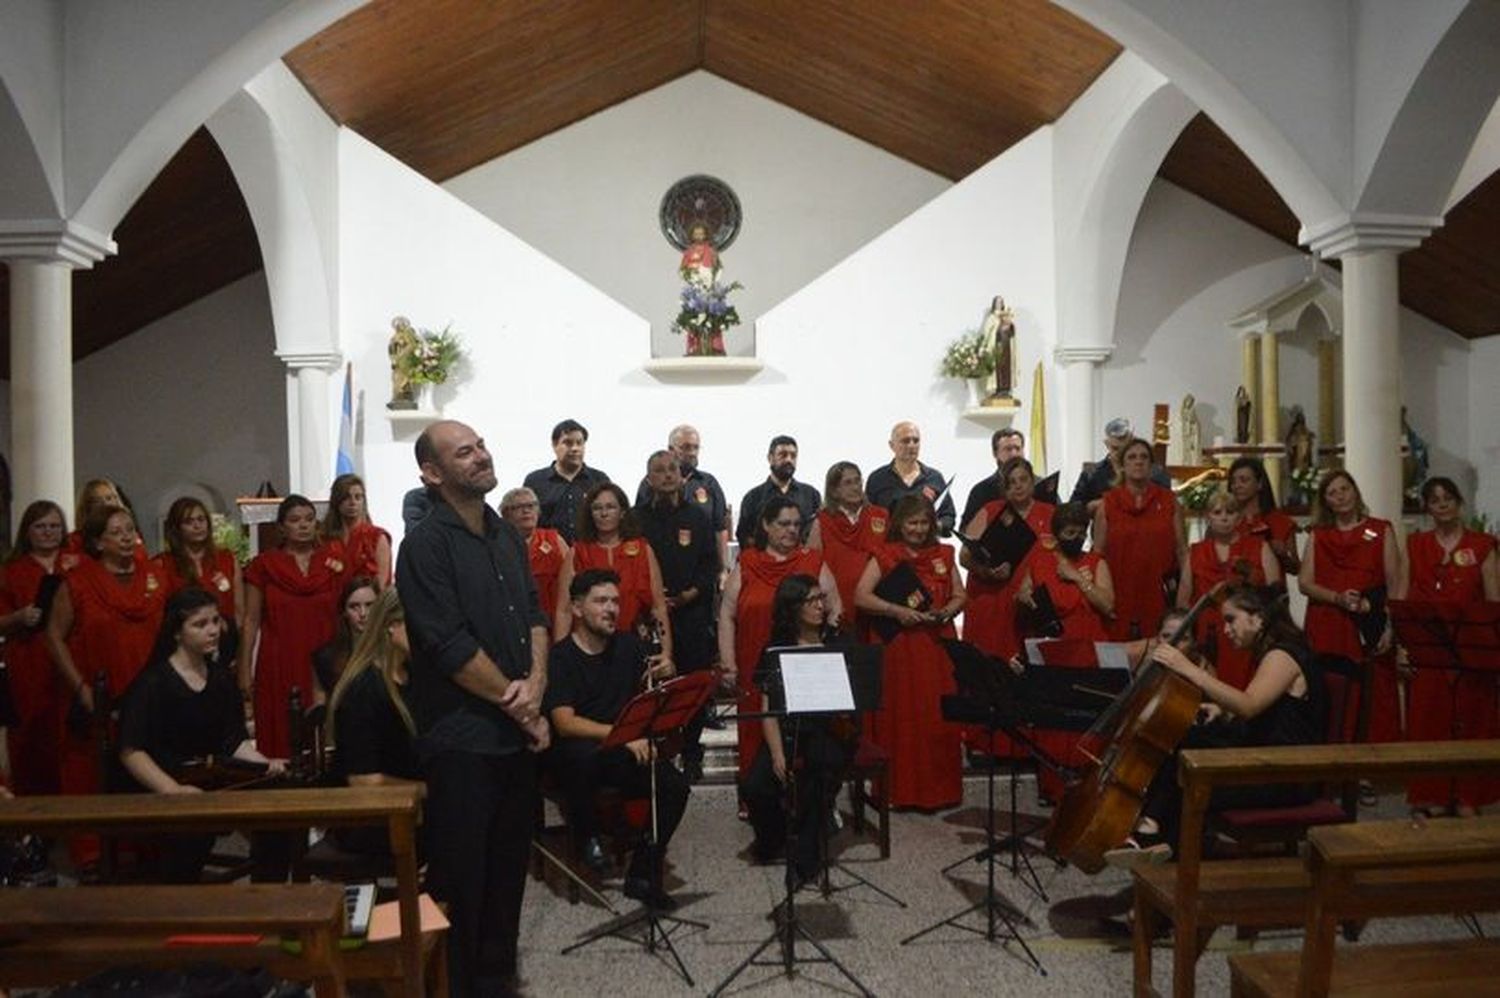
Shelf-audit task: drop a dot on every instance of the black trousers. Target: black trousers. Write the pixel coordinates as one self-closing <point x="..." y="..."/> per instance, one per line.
<point x="479" y="814"/>
<point x="819" y="763"/>
<point x="181" y="858"/>
<point x="582" y="769"/>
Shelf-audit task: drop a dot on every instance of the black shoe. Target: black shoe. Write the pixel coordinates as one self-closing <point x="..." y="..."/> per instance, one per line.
<point x="712" y="720"/>
<point x="642" y="890"/>
<point x="593" y="855"/>
<point x="692" y="769"/>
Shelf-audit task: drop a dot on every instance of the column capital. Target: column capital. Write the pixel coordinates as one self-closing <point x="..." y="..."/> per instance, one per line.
<point x="1365" y="231"/>
<point x="51" y="240"/>
<point x="327" y="360"/>
<point x="1079" y="353"/>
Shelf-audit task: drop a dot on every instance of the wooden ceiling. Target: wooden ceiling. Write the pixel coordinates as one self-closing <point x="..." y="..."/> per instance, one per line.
<point x="445" y="85"/>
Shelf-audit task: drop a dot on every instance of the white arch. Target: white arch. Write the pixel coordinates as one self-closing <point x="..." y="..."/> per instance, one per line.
<point x="30" y="192"/>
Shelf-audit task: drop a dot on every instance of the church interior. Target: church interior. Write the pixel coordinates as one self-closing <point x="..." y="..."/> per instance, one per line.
<point x="1252" y="231"/>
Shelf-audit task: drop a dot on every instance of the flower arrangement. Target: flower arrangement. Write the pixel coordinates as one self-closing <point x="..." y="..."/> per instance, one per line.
<point x="433" y="357"/>
<point x="1305" y="482"/>
<point x="966" y="357"/>
<point x="228" y="536"/>
<point x="704" y="312"/>
<point x="1195" y="494"/>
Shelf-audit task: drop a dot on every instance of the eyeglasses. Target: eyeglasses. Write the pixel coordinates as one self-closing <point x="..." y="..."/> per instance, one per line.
<point x="523" y="506"/>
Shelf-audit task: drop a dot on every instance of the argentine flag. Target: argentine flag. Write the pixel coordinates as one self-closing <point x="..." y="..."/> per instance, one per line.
<point x="344" y="464"/>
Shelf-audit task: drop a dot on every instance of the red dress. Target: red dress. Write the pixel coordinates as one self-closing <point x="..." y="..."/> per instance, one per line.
<point x="1080" y="622"/>
<point x="217" y="579"/>
<point x="114" y="627"/>
<point x="1142" y="551"/>
<point x="1271" y="526"/>
<point x="1352" y="559"/>
<point x="632" y="560"/>
<point x="848" y="545"/>
<point x="39" y="696"/>
<point x="925" y="767"/>
<point x="760" y="573"/>
<point x="1447" y="705"/>
<point x="544" y="554"/>
<point x="358" y="553"/>
<point x="299" y="614"/>
<point x="990" y="615"/>
<point x="1243" y="566"/>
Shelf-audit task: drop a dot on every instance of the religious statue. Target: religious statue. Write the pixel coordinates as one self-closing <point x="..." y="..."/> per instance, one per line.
<point x="1241" y="416"/>
<point x="401" y="349"/>
<point x="703" y="310"/>
<point x="999" y="333"/>
<point x="699" y="256"/>
<point x="1414" y="462"/>
<point x="1192" y="433"/>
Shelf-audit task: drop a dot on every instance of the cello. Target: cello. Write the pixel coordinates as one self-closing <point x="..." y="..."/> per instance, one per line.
<point x="1139" y="732"/>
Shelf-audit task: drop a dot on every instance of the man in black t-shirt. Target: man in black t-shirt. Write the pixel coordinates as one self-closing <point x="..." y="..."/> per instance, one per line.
<point x="592" y="674"/>
<point x="782" y="458"/>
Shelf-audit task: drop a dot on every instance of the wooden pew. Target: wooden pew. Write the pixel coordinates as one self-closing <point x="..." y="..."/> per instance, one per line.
<point x="51" y="937"/>
<point x="1344" y="863"/>
<point x="396" y="807"/>
<point x="1199" y="896"/>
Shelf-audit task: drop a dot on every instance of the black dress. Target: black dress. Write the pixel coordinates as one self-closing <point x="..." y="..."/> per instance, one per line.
<point x="371" y="737"/>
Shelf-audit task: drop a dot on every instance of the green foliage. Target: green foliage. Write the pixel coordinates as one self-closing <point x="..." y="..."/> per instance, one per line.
<point x="966" y="357"/>
<point x="230" y="536"/>
<point x="435" y="357"/>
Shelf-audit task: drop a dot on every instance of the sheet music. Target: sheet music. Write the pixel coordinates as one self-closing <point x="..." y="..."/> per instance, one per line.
<point x="817" y="681"/>
<point x="1113" y="654"/>
<point x="1034" y="649"/>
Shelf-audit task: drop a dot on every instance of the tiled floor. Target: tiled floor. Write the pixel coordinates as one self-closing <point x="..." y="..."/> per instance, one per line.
<point x="716" y="885"/>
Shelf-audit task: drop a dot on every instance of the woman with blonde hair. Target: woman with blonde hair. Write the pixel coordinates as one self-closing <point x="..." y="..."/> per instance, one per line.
<point x="370" y="724"/>
<point x="1227" y="554"/>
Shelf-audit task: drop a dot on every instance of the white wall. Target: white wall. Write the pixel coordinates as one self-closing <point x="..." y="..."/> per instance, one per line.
<point x="1484" y="425"/>
<point x="195" y="400"/>
<point x="588" y="195"/>
<point x="845" y="357"/>
<point x="1192" y="267"/>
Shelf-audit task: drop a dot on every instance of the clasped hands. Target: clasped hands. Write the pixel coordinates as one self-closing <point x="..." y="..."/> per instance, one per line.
<point x="522" y="701"/>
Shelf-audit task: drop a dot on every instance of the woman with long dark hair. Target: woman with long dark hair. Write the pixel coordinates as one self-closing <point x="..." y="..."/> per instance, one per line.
<point x="355" y="600"/>
<point x="1285" y="703"/>
<point x="290" y="595"/>
<point x="364" y="548"/>
<point x="814" y="757"/>
<point x="1452" y="564"/>
<point x="192" y="558"/>
<point x="28" y="583"/>
<point x="1352" y="558"/>
<point x="1259" y="515"/>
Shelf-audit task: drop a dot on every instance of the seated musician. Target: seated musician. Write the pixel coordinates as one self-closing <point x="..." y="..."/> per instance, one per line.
<point x="591" y="675"/>
<point x="370" y="723"/>
<point x="1140" y="650"/>
<point x="799" y="617"/>
<point x="181" y="711"/>
<point x="1284" y="704"/>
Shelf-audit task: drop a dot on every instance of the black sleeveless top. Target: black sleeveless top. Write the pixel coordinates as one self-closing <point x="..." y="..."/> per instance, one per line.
<point x="1293" y="720"/>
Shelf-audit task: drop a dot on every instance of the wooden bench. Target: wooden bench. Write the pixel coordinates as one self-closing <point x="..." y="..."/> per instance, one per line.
<point x="395" y="807"/>
<point x="1347" y="865"/>
<point x="51" y="937"/>
<point x="1199" y="896"/>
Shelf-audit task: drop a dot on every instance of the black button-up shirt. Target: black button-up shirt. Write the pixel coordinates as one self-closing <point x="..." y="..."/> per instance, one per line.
<point x="807" y="498"/>
<point x="561" y="497"/>
<point x="464" y="593"/>
<point x="688" y="554"/>
<point x="980" y="496"/>
<point x="885" y="488"/>
<point x="699" y="489"/>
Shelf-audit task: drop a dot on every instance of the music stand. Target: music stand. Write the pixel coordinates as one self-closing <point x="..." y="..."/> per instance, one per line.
<point x="987" y="684"/>
<point x="1453" y="637"/>
<point x="862" y="663"/>
<point x="653" y="715"/>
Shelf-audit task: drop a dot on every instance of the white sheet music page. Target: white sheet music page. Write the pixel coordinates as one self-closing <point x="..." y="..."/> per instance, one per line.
<point x="816" y="681"/>
<point x="1113" y="654"/>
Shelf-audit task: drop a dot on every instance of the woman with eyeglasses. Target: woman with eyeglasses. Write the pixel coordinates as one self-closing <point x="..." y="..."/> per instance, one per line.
<point x="750" y="593"/>
<point x="546" y="551"/>
<point x="608" y="537"/>
<point x="925" y="767"/>
<point x="193" y="559"/>
<point x="28" y="585"/>
<point x="104" y="620"/>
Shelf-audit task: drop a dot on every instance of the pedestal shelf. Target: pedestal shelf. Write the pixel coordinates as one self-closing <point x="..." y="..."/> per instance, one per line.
<point x="992" y="415"/>
<point x="412" y="419"/>
<point x="716" y="369"/>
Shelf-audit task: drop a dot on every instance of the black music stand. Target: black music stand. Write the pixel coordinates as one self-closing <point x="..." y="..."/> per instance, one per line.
<point x="863" y="664"/>
<point x="984" y="685"/>
<point x="1453" y="637"/>
<point x="654" y="715"/>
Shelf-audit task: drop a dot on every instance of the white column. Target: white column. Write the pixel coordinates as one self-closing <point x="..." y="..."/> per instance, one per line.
<point x="1368" y="246"/>
<point x="1372" y="378"/>
<point x="41" y="257"/>
<point x="41" y="382"/>
<point x="311" y="435"/>
<point x="1083" y="432"/>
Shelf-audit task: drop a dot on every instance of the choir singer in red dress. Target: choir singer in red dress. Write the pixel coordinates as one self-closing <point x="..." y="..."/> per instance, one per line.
<point x="39" y="698"/>
<point x="1138" y="529"/>
<point x="848" y="529"/>
<point x="364" y="548"/>
<point x="1227" y="554"/>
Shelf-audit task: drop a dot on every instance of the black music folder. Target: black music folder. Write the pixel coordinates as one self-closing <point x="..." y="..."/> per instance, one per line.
<point x="902" y="587"/>
<point x="1006" y="541"/>
<point x="1046" y="489"/>
<point x="1372" y="625"/>
<point x="1043" y="621"/>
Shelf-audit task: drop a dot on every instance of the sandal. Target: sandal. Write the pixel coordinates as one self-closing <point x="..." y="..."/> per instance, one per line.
<point x="1132" y="854"/>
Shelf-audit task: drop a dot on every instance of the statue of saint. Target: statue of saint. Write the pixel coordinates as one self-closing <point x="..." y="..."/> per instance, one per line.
<point x="1415" y="462"/>
<point x="1300" y="453"/>
<point x="700" y="254"/>
<point x="1242" y="416"/>
<point x="402" y="347"/>
<point x="1192" y="433"/>
<point x="999" y="332"/>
